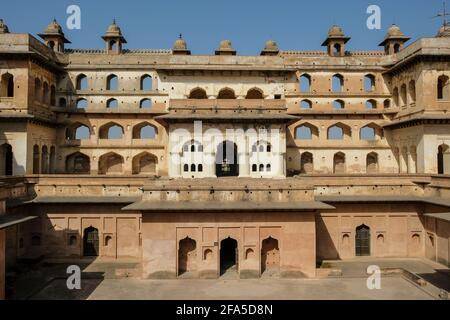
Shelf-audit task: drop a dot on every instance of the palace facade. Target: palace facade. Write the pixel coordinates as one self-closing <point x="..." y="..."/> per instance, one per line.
<point x="200" y="165"/>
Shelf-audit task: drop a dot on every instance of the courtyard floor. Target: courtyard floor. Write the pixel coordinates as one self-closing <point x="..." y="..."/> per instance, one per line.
<point x="119" y="280"/>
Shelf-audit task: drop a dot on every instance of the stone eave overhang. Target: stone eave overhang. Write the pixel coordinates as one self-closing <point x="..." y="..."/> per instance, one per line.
<point x="82" y="200"/>
<point x="384" y="199"/>
<point x="9" y="220"/>
<point x="221" y="206"/>
<point x="418" y="120"/>
<point x="49" y="62"/>
<point x="27" y="118"/>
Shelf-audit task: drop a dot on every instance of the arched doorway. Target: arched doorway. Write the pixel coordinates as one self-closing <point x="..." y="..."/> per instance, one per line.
<point x="187" y="256"/>
<point x="229" y="256"/>
<point x="270" y="256"/>
<point x="90" y="242"/>
<point x="227" y="160"/>
<point x="362" y="241"/>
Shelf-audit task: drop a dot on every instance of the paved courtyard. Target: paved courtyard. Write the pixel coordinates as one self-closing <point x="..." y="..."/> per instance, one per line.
<point x="118" y="280"/>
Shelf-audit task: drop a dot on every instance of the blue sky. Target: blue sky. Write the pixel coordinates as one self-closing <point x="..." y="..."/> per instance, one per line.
<point x="294" y="24"/>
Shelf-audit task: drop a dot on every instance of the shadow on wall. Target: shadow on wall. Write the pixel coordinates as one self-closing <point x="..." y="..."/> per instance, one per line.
<point x="325" y="246"/>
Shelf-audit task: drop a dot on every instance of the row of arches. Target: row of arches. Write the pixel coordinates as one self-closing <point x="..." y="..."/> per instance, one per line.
<point x="337" y="83"/>
<point x="338" y="131"/>
<point x="44" y="93"/>
<point x="112" y="82"/>
<point x="44" y="159"/>
<point x="406" y="95"/>
<point x="226" y="93"/>
<point x="229" y="255"/>
<point x="339" y="163"/>
<point x="111" y="103"/>
<point x="111" y="130"/>
<point x="340" y="104"/>
<point x="7" y="85"/>
<point x="111" y="163"/>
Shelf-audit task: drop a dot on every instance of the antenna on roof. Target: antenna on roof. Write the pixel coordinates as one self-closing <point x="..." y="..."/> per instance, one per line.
<point x="444" y="14"/>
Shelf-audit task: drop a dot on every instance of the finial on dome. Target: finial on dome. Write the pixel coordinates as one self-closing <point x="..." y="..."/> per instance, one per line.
<point x="3" y="27"/>
<point x="180" y="46"/>
<point x="225" y="49"/>
<point x="270" y="48"/>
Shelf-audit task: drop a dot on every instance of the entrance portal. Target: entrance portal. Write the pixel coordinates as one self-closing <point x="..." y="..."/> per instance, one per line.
<point x="270" y="256"/>
<point x="229" y="257"/>
<point x="227" y="160"/>
<point x="90" y="242"/>
<point x="362" y="241"/>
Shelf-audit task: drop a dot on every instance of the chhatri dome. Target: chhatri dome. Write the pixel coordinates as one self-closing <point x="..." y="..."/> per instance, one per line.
<point x="225" y="48"/>
<point x="3" y="27"/>
<point x="180" y="46"/>
<point x="270" y="48"/>
<point x="444" y="31"/>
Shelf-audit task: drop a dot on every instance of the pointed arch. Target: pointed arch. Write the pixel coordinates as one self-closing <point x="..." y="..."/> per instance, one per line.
<point x="255" y="93"/>
<point x="81" y="82"/>
<point x="110" y="163"/>
<point x="78" y="163"/>
<point x="7" y="85"/>
<point x="198" y="93"/>
<point x="306" y="163"/>
<point x="226" y="93"/>
<point x="337" y="83"/>
<point x="146" y="82"/>
<point x="111" y="130"/>
<point x="112" y="82"/>
<point x="306" y="131"/>
<point x="339" y="165"/>
<point x="145" y="163"/>
<point x="372" y="162"/>
<point x="145" y="130"/>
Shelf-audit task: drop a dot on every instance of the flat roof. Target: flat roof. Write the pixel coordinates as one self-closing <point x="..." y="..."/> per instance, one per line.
<point x="146" y="205"/>
<point x="384" y="198"/>
<point x="9" y="220"/>
<point x="231" y="116"/>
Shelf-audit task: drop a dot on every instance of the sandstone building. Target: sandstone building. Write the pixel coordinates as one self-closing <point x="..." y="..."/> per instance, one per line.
<point x="196" y="164"/>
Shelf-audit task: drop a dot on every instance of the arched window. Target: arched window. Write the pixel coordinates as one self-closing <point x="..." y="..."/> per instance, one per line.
<point x="387" y="103"/>
<point x="336" y="50"/>
<point x="306" y="163"/>
<point x="261" y="168"/>
<point x="44" y="160"/>
<point x="226" y="93"/>
<point x="305" y="83"/>
<point x="146" y="82"/>
<point x="371" y="104"/>
<point x="46" y="94"/>
<point x="144" y="131"/>
<point x="7" y="85"/>
<point x="193" y="168"/>
<point x="198" y="93"/>
<point x="254" y="93"/>
<point x="339" y="163"/>
<point x="145" y="103"/>
<point x="111" y="131"/>
<point x="372" y="162"/>
<point x="186" y="168"/>
<point x="412" y="91"/>
<point x="145" y="163"/>
<point x="306" y="104"/>
<point x="82" y="82"/>
<point x="110" y="163"/>
<point x="200" y="168"/>
<point x="443" y="159"/>
<point x="52" y="95"/>
<point x="362" y="241"/>
<point x="303" y="133"/>
<point x="335" y="133"/>
<point x="112" y="82"/>
<point x="369" y="83"/>
<point x="443" y="88"/>
<point x="254" y="168"/>
<point x="36" y="159"/>
<point x="37" y="90"/>
<point x="396" y="48"/>
<point x="367" y="133"/>
<point x="78" y="163"/>
<point x="403" y="95"/>
<point x="82" y="103"/>
<point x="268" y="168"/>
<point x="337" y="83"/>
<point x="338" y="104"/>
<point x="112" y="104"/>
<point x="396" y="97"/>
<point x="78" y="131"/>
